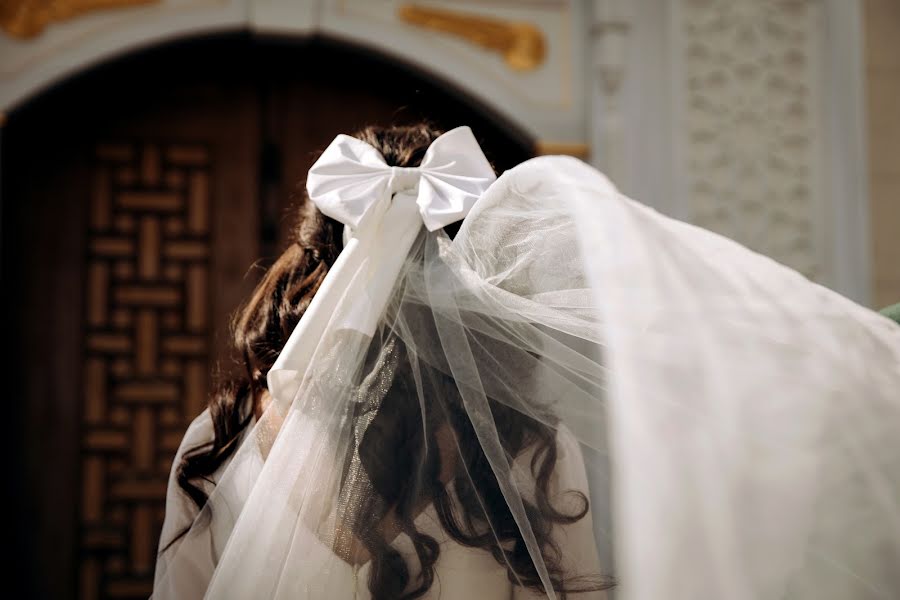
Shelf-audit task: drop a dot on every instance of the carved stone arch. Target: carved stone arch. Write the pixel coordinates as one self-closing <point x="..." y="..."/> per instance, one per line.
<point x="524" y="64"/>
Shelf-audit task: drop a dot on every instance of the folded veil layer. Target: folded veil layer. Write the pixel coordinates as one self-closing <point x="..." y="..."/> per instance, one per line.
<point x="732" y="424"/>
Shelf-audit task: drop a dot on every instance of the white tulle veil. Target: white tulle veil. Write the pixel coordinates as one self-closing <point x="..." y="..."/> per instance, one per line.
<point x="730" y="427"/>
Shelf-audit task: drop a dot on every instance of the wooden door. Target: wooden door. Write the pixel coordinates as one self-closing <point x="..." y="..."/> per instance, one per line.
<point x="136" y="201"/>
<point x="130" y="220"/>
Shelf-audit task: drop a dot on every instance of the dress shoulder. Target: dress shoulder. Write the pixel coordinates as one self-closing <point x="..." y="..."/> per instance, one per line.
<point x="180" y="509"/>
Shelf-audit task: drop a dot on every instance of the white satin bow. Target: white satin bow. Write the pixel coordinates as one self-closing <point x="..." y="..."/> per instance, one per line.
<point x="351" y="176"/>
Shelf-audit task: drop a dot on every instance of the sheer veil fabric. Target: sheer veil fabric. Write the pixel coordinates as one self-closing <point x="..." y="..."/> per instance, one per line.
<point x="733" y="425"/>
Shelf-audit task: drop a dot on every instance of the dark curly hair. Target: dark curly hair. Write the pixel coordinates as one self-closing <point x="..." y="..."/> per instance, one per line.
<point x="476" y="514"/>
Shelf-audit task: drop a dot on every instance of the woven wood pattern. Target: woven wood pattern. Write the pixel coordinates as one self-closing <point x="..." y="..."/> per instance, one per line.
<point x="146" y="357"/>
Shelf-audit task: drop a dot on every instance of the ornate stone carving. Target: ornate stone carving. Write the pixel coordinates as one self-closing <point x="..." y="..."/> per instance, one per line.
<point x="610" y="31"/>
<point x="750" y="124"/>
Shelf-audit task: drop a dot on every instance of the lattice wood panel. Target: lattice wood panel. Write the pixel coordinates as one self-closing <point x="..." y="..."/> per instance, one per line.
<point x="146" y="357"/>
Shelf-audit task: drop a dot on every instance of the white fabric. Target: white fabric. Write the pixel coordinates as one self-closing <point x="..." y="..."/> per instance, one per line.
<point x="737" y="424"/>
<point x="462" y="572"/>
<point x="382" y="207"/>
<point x="350" y="177"/>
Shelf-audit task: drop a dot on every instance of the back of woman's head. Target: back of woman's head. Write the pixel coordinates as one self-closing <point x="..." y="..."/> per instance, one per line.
<point x="401" y="446"/>
<point x="262" y="325"/>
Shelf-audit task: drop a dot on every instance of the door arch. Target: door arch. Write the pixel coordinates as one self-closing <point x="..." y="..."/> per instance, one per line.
<point x="136" y="198"/>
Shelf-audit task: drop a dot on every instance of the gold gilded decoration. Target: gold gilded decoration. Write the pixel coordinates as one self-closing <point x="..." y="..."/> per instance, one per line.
<point x="521" y="44"/>
<point x="577" y="150"/>
<point x="27" y="18"/>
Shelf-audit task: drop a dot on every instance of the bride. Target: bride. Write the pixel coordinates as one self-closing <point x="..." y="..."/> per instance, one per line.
<point x="464" y="386"/>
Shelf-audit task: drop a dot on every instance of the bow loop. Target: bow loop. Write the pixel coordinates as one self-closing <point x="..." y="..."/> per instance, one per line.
<point x="351" y="177"/>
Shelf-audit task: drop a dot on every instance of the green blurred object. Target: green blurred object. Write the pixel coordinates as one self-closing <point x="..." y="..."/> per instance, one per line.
<point x="892" y="312"/>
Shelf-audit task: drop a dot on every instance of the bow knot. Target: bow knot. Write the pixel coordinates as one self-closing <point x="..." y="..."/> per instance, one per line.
<point x="352" y="176"/>
<point x="403" y="178"/>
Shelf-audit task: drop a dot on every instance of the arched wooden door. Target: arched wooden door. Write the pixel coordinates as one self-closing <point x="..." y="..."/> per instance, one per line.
<point x="136" y="200"/>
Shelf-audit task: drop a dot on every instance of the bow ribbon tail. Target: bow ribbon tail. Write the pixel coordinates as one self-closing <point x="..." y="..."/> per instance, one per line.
<point x="286" y="375"/>
<point x="353" y="294"/>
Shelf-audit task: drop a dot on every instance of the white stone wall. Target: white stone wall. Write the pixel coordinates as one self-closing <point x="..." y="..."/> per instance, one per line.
<point x="743" y="116"/>
<point x="750" y="124"/>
